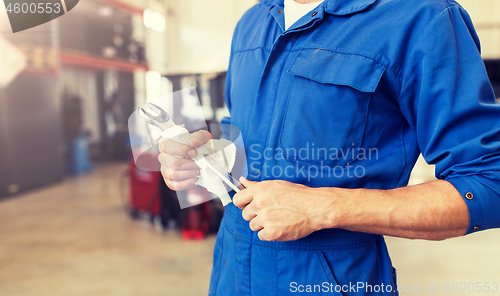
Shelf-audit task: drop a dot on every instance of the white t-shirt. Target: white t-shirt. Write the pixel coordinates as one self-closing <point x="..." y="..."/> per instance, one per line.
<point x="295" y="11"/>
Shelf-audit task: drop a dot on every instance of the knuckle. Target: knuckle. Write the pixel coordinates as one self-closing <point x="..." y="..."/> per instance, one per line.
<point x="166" y="145"/>
<point x="261" y="187"/>
<point x="253" y="225"/>
<point x="259" y="203"/>
<point x="174" y="175"/>
<point x="174" y="148"/>
<point x="263" y="216"/>
<point x="161" y="158"/>
<point x="166" y="174"/>
<point x="237" y="199"/>
<point x="170" y="184"/>
<point x="199" y="138"/>
<point x="245" y="214"/>
<point x="173" y="161"/>
<point x="183" y="151"/>
<point x="272" y="234"/>
<point x="205" y="135"/>
<point x="198" y="135"/>
<point x="176" y="186"/>
<point x="162" y="145"/>
<point x="265" y="235"/>
<point x="168" y="160"/>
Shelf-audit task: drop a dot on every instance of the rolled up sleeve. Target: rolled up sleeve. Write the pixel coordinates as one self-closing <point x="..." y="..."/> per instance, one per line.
<point x="449" y="104"/>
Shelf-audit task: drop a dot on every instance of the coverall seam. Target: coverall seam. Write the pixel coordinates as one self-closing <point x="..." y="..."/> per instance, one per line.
<point x="400" y="76"/>
<point x="379" y="269"/>
<point x="250" y="268"/>
<point x="252" y="49"/>
<point x="276" y="264"/>
<point x="364" y="129"/>
<point x="216" y="284"/>
<point x="300" y="247"/>
<point x="404" y="156"/>
<point x="268" y="136"/>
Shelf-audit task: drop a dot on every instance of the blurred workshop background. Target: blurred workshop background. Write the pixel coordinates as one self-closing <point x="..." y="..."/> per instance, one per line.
<point x="78" y="218"/>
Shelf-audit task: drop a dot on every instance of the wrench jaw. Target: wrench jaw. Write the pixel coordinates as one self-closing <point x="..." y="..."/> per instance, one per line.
<point x="155" y="112"/>
<point x="144" y="117"/>
<point x="149" y="120"/>
<point x="154" y="115"/>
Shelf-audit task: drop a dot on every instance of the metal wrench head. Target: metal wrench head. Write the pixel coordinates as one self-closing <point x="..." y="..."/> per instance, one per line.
<point x="154" y="115"/>
<point x="155" y="112"/>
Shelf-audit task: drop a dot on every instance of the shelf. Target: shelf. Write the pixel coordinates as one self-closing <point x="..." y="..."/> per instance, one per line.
<point x="129" y="8"/>
<point x="31" y="71"/>
<point x="95" y="62"/>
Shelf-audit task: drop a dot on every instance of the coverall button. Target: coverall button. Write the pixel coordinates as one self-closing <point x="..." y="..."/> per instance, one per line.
<point x="469" y="195"/>
<point x="280" y="11"/>
<point x="476" y="228"/>
<point x="314" y="13"/>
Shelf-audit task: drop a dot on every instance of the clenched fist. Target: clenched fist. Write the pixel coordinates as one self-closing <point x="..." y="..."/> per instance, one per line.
<point x="282" y="211"/>
<point x="179" y="171"/>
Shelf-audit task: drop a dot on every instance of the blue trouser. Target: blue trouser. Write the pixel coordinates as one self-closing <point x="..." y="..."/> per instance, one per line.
<point x="327" y="262"/>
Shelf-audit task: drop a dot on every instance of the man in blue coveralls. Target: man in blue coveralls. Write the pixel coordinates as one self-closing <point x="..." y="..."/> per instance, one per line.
<point x="334" y="110"/>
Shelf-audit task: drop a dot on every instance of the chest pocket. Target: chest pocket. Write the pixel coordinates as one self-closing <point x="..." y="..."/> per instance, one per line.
<point x="327" y="107"/>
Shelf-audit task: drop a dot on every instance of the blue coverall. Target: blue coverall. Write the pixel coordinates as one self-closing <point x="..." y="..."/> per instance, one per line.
<point x="349" y="97"/>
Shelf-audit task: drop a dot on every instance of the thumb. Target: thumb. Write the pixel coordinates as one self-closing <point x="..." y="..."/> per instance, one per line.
<point x="247" y="183"/>
<point x="198" y="138"/>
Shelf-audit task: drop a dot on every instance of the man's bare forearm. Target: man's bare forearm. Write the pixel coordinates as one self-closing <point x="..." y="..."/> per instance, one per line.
<point x="431" y="211"/>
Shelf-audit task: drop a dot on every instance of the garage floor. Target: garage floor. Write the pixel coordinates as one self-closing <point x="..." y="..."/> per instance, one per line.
<point x="75" y="239"/>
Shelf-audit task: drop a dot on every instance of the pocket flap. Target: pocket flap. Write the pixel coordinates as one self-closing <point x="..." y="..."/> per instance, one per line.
<point x="330" y="67"/>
